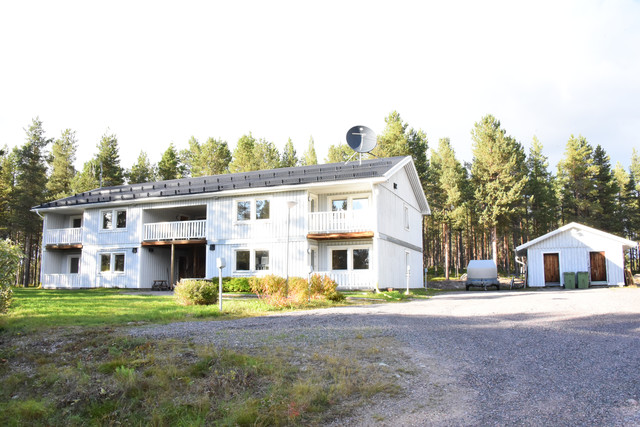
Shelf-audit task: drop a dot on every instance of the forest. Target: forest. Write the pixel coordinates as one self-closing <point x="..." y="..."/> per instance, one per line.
<point x="479" y="210"/>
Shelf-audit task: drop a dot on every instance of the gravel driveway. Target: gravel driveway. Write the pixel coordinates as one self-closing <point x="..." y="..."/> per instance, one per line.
<point x="548" y="357"/>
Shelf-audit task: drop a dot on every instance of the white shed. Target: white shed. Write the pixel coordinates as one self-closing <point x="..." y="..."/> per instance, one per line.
<point x="575" y="248"/>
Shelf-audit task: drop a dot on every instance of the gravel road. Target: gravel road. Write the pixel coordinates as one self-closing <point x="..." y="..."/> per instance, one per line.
<point x="548" y="357"/>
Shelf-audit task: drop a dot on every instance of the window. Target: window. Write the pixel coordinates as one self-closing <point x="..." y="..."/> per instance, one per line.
<point x="243" y="210"/>
<point x="406" y="217"/>
<point x="362" y="203"/>
<point x="339" y="259"/>
<point x="74" y="265"/>
<point x="262" y="260"/>
<point x="338" y="205"/>
<point x="112" y="262"/>
<point x="120" y="216"/>
<point x="243" y="260"/>
<point x="361" y="259"/>
<point x="262" y="209"/>
<point x="76" y="222"/>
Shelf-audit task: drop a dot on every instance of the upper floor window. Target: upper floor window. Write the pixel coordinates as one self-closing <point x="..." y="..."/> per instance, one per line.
<point x="355" y="202"/>
<point x="339" y="205"/>
<point x="262" y="209"/>
<point x="76" y="221"/>
<point x="114" y="219"/>
<point x="406" y="217"/>
<point x="245" y="209"/>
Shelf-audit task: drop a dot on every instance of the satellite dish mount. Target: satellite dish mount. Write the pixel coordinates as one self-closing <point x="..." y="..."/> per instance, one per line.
<point x="361" y="139"/>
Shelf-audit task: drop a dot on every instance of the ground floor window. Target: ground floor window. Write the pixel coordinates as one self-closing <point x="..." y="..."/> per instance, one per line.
<point x="356" y="258"/>
<point x="262" y="260"/>
<point x="243" y="260"/>
<point x="74" y="265"/>
<point x="254" y="259"/>
<point x="113" y="262"/>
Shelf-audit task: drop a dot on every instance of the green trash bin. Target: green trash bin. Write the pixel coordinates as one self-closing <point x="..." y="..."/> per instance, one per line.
<point x="569" y="280"/>
<point x="583" y="279"/>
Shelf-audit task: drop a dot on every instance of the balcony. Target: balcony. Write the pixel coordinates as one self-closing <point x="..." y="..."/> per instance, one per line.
<point x="356" y="223"/>
<point x="356" y="279"/>
<point x="57" y="281"/>
<point x="176" y="230"/>
<point x="61" y="238"/>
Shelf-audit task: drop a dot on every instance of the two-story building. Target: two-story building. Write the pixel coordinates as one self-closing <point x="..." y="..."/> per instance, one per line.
<point x="360" y="223"/>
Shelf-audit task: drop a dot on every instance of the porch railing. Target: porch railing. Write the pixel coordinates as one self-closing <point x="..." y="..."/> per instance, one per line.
<point x="60" y="236"/>
<point x="61" y="281"/>
<point x="341" y="221"/>
<point x="177" y="230"/>
<point x="355" y="279"/>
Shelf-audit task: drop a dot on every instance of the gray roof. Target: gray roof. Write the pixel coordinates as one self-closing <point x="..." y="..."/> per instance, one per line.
<point x="373" y="168"/>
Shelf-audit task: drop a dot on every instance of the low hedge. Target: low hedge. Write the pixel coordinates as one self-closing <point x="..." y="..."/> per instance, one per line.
<point x="196" y="292"/>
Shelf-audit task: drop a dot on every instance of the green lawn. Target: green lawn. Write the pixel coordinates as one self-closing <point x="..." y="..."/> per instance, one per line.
<point x="33" y="309"/>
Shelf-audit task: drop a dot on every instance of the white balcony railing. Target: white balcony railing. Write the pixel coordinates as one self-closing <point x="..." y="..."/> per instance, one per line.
<point x="353" y="279"/>
<point x="341" y="221"/>
<point x="63" y="236"/>
<point x="61" y="281"/>
<point x="177" y="230"/>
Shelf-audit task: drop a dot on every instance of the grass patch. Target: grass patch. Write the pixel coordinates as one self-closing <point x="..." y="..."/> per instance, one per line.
<point x="34" y="309"/>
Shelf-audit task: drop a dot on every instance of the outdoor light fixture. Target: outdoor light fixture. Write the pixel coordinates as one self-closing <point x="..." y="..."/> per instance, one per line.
<point x="212" y="247"/>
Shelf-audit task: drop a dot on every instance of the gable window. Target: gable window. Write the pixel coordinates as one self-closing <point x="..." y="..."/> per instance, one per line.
<point x="243" y="209"/>
<point x="406" y="217"/>
<point x="120" y="216"/>
<point x="243" y="260"/>
<point x="262" y="209"/>
<point x="112" y="262"/>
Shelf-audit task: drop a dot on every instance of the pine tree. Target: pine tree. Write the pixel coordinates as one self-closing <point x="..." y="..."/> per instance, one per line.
<point x="309" y="157"/>
<point x="398" y="140"/>
<point x="8" y="163"/>
<point x="604" y="212"/>
<point x="243" y="156"/>
<point x="169" y="165"/>
<point x="211" y="158"/>
<point x="266" y="155"/>
<point x="142" y="170"/>
<point x="289" y="157"/>
<point x="447" y="176"/>
<point x="339" y="153"/>
<point x="498" y="176"/>
<point x="576" y="177"/>
<point x="62" y="170"/>
<point x="87" y="179"/>
<point x="108" y="161"/>
<point x="31" y="181"/>
<point x="540" y="195"/>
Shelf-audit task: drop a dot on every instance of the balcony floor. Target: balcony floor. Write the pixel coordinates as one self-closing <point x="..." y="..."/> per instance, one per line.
<point x="341" y="236"/>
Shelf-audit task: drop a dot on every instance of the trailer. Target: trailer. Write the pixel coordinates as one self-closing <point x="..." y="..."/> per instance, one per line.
<point x="482" y="273"/>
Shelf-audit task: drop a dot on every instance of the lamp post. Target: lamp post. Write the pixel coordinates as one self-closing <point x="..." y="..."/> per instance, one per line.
<point x="290" y="204"/>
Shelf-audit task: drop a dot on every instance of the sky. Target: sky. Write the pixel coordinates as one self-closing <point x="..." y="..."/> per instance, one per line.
<point x="156" y="72"/>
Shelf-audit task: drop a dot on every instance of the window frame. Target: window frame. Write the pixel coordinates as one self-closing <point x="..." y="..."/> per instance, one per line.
<point x="253" y="210"/>
<point x="235" y="260"/>
<point x="112" y="262"/>
<point x="407" y="222"/>
<point x="114" y="219"/>
<point x="237" y="216"/>
<point x="349" y="198"/>
<point x="70" y="262"/>
<point x="253" y="265"/>
<point x="350" y="263"/>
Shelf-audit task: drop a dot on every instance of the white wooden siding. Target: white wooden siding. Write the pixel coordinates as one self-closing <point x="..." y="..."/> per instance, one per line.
<point x="573" y="249"/>
<point x="390" y="205"/>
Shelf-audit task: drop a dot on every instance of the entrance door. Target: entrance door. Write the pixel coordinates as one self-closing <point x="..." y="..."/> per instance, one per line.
<point x="598" y="265"/>
<point x="551" y="268"/>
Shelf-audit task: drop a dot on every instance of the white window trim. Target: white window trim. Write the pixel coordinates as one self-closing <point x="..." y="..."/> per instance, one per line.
<point x="349" y="250"/>
<point x="114" y="220"/>
<point x="349" y="198"/>
<point x="112" y="263"/>
<point x="72" y="217"/>
<point x="406" y="216"/>
<point x="252" y="211"/>
<point x="252" y="259"/>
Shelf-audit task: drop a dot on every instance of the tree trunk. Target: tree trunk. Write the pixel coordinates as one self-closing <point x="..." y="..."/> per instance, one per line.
<point x="447" y="244"/>
<point x="27" y="261"/>
<point x="494" y="243"/>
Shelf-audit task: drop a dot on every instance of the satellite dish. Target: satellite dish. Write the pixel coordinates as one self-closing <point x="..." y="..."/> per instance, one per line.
<point x="361" y="139"/>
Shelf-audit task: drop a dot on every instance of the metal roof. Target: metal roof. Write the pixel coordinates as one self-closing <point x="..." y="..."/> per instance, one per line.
<point x="373" y="168"/>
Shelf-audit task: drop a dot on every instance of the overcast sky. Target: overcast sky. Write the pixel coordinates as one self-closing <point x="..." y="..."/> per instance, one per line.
<point x="160" y="72"/>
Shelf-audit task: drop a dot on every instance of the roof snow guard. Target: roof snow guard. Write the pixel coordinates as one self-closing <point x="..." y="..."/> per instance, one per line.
<point x="374" y="168"/>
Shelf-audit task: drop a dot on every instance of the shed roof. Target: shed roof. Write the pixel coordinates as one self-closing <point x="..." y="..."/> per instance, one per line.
<point x="577" y="226"/>
<point x="302" y="175"/>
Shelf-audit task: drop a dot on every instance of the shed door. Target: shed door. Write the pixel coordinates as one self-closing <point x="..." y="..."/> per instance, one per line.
<point x="551" y="268"/>
<point x="598" y="267"/>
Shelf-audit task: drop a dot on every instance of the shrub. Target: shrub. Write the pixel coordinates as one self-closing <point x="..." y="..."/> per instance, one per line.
<point x="196" y="292"/>
<point x="274" y="290"/>
<point x="10" y="256"/>
<point x="236" y="284"/>
<point x="323" y="286"/>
